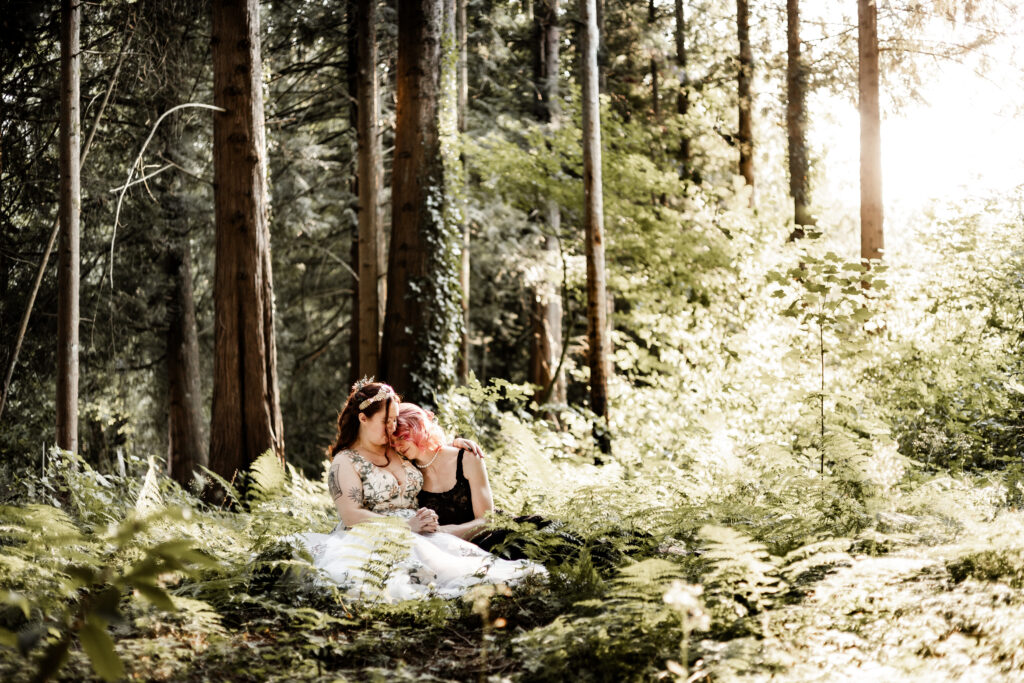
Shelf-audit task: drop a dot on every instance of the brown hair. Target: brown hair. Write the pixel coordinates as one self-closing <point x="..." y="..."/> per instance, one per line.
<point x="348" y="418"/>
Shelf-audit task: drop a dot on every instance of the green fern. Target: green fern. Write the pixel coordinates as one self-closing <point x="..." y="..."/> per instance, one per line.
<point x="742" y="577"/>
<point x="267" y="477"/>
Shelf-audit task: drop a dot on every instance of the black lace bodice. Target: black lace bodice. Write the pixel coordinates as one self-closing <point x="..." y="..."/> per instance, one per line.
<point x="454" y="506"/>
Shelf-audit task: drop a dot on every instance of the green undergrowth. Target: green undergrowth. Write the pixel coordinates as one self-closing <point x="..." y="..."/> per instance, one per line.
<point x="128" y="574"/>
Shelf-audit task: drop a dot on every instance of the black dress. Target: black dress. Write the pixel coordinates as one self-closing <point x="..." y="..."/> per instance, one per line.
<point x="455" y="506"/>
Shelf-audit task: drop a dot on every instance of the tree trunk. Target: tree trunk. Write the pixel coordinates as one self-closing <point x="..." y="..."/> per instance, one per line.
<point x="70" y="213"/>
<point x="796" y="122"/>
<point x="683" y="97"/>
<point x="186" y="437"/>
<point x="246" y="413"/>
<point x="352" y="84"/>
<point x="462" y="36"/>
<point x="745" y="135"/>
<point x="655" y="99"/>
<point x="871" y="236"/>
<point x="593" y="222"/>
<point x="423" y="321"/>
<point x="602" y="47"/>
<point x="546" y="316"/>
<point x="371" y="256"/>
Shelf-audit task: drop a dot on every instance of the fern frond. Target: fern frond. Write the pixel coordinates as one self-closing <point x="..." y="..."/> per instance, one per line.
<point x="149" y="498"/>
<point x="645" y="580"/>
<point x="268" y="477"/>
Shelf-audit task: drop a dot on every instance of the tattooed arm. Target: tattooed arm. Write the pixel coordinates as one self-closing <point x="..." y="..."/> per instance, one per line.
<point x="346" y="490"/>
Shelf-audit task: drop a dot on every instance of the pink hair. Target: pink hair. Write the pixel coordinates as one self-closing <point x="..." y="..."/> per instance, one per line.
<point x="417" y="425"/>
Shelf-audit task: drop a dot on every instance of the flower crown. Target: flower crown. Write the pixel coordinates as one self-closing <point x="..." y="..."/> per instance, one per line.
<point x="382" y="393"/>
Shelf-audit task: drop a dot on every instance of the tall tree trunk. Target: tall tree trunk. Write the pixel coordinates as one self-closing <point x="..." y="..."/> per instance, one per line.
<point x="70" y="213"/>
<point x="371" y="256"/>
<point x="593" y="222"/>
<point x="796" y="122"/>
<point x="745" y="135"/>
<point x="683" y="97"/>
<point x="652" y="17"/>
<point x="246" y="413"/>
<point x="462" y="36"/>
<point x="871" y="235"/>
<point x="423" y="321"/>
<point x="546" y="316"/>
<point x="186" y="437"/>
<point x="602" y="47"/>
<point x="352" y="85"/>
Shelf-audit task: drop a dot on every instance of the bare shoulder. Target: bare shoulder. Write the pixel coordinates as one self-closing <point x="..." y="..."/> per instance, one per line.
<point x="473" y="466"/>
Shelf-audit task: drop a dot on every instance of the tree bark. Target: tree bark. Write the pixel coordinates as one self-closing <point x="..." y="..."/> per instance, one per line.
<point x="683" y="97"/>
<point x="371" y="253"/>
<point x="745" y="135"/>
<point x="186" y="437"/>
<point x="70" y="213"/>
<point x="871" y="235"/>
<point x="796" y="122"/>
<point x="462" y="36"/>
<point x="246" y="413"/>
<point x="655" y="99"/>
<point x="593" y="221"/>
<point x="423" y="321"/>
<point x="546" y="314"/>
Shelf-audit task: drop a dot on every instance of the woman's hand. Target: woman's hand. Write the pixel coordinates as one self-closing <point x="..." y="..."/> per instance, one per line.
<point x="424" y="521"/>
<point x="469" y="445"/>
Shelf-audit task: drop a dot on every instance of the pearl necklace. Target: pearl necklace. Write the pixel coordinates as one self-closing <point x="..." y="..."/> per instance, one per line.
<point x="423" y="467"/>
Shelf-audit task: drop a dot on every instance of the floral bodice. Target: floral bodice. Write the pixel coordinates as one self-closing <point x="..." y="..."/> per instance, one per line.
<point x="381" y="492"/>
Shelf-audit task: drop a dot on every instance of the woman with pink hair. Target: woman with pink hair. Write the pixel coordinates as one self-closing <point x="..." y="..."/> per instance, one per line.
<point x="454" y="486"/>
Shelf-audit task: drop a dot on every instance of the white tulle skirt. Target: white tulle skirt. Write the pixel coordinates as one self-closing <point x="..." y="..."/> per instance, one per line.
<point x="385" y="561"/>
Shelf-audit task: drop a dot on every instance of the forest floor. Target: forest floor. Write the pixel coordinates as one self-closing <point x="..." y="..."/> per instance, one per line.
<point x="897" y="617"/>
<point x="914" y="613"/>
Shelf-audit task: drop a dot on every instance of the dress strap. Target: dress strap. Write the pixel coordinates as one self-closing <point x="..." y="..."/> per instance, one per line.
<point x="459" y="476"/>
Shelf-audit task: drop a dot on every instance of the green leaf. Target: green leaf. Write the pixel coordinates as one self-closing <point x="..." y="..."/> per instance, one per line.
<point x="172" y="549"/>
<point x="84" y="575"/>
<point x="156" y="595"/>
<point x="862" y="315"/>
<point x="8" y="638"/>
<point x="98" y="644"/>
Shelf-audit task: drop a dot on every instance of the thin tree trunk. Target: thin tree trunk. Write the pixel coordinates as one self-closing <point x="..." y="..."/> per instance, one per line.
<point x="745" y="135"/>
<point x="796" y="122"/>
<point x="683" y="97"/>
<point x="41" y="270"/>
<point x="371" y="258"/>
<point x="246" y="413"/>
<point x="462" y="36"/>
<point x="423" y="321"/>
<point x="546" y="316"/>
<point x="186" y="437"/>
<point x="70" y="213"/>
<point x="871" y="235"/>
<point x="593" y="221"/>
<point x="655" y="99"/>
<point x="602" y="47"/>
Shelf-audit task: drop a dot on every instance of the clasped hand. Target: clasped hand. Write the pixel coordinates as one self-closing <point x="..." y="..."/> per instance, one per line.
<point x="424" y="521"/>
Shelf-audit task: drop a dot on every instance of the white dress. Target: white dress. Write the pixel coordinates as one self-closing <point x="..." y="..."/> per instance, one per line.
<point x="384" y="560"/>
